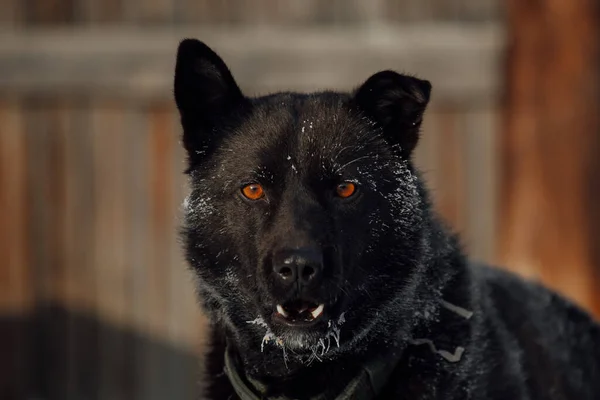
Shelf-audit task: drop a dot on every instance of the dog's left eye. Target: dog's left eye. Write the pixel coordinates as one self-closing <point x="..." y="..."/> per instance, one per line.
<point x="345" y="189"/>
<point x="253" y="191"/>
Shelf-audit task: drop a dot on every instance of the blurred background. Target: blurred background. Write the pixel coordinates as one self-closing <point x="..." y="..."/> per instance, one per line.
<point x="95" y="299"/>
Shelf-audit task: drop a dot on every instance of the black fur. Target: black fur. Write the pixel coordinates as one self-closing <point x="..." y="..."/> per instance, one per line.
<point x="391" y="271"/>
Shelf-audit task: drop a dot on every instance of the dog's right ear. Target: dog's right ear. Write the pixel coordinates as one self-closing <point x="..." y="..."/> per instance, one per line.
<point x="205" y="93"/>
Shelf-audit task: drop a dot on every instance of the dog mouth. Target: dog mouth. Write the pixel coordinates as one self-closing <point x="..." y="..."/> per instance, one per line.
<point x="299" y="312"/>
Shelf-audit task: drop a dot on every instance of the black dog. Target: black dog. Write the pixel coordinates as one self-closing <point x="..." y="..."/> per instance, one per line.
<point x="324" y="270"/>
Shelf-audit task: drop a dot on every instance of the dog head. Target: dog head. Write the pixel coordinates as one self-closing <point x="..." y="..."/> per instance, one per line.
<point x="304" y="224"/>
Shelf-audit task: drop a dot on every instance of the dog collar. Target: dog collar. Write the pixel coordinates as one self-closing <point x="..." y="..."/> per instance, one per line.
<point x="367" y="384"/>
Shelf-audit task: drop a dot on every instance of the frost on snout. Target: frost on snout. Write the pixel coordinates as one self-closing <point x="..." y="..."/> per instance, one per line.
<point x="316" y="346"/>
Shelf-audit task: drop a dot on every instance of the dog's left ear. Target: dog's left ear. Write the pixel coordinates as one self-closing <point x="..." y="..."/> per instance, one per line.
<point x="396" y="103"/>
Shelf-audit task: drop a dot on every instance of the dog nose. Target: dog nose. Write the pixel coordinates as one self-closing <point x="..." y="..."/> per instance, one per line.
<point x="304" y="265"/>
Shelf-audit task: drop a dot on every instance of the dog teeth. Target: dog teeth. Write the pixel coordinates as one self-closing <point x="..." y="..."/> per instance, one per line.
<point x="317" y="311"/>
<point x="281" y="311"/>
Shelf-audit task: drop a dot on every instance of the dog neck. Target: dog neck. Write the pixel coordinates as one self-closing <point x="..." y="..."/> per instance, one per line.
<point x="368" y="380"/>
<point x="364" y="377"/>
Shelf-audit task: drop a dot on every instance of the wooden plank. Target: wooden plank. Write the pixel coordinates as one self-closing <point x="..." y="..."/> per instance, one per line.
<point x="108" y="129"/>
<point x="480" y="11"/>
<point x="141" y="245"/>
<point x="549" y="206"/>
<point x="66" y="209"/>
<point x="57" y="191"/>
<point x="249" y="12"/>
<point x="12" y="13"/>
<point x="482" y="181"/>
<point x="92" y="12"/>
<point x="451" y="185"/>
<point x="193" y="11"/>
<point x="135" y="249"/>
<point x="16" y="286"/>
<point x="38" y="178"/>
<point x="462" y="62"/>
<point x="81" y="351"/>
<point x="62" y="232"/>
<point x="113" y="297"/>
<point x="441" y="10"/>
<point x="162" y="207"/>
<point x="267" y="12"/>
<point x="372" y="12"/>
<point x="46" y="147"/>
<point x="78" y="285"/>
<point x="414" y="10"/>
<point x="49" y="12"/>
<point x="155" y="12"/>
<point x="157" y="269"/>
<point x="456" y="156"/>
<point x="16" y="278"/>
<point x="44" y="124"/>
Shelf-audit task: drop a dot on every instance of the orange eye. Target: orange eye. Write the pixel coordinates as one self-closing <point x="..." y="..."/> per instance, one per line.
<point x="345" y="190"/>
<point x="253" y="191"/>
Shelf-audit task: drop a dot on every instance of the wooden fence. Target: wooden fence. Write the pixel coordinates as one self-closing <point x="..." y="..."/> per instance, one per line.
<point x="91" y="171"/>
<point x="91" y="166"/>
<point x="146" y="13"/>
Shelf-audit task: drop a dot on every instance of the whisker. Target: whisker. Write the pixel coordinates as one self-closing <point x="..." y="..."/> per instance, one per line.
<point x="353" y="161"/>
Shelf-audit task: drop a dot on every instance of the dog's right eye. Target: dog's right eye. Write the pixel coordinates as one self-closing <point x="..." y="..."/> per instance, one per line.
<point x="345" y="189"/>
<point x="253" y="191"/>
